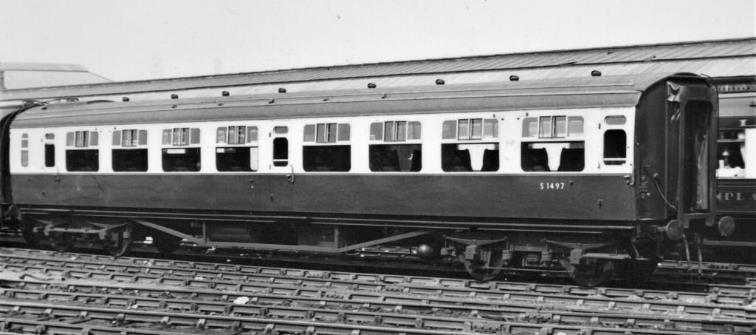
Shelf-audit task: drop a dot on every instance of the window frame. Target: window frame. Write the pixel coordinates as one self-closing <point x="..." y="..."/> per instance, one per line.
<point x="223" y="135"/>
<point x="184" y="140"/>
<point x="83" y="140"/>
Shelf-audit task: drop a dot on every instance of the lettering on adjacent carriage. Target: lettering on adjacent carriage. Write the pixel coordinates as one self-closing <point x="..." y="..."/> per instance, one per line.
<point x="546" y="186"/>
<point x="736" y="196"/>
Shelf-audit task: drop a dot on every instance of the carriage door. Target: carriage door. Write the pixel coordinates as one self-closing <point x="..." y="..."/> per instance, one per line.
<point x="280" y="147"/>
<point x="691" y="140"/>
<point x="695" y="157"/>
<point x="281" y="184"/>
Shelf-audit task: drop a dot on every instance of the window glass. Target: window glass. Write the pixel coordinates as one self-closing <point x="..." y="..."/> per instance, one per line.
<point x="395" y="157"/>
<point x="181" y="159"/>
<point x="116" y="138"/>
<point x="530" y="127"/>
<point x="82" y="160"/>
<point x="129" y="160"/>
<point x="24" y="150"/>
<point x="575" y="126"/>
<point x="49" y="155"/>
<point x="49" y="150"/>
<point x="281" y="129"/>
<point x="413" y="130"/>
<point x="476" y="129"/>
<point x="401" y="131"/>
<point x="326" y="158"/>
<point x="280" y="151"/>
<point x="181" y="136"/>
<point x="560" y="126"/>
<point x="309" y="133"/>
<point x="449" y="130"/>
<point x="195" y="136"/>
<point x="615" y="147"/>
<point x="615" y="120"/>
<point x="220" y="135"/>
<point x="490" y="128"/>
<point x="233" y="137"/>
<point x="390" y="132"/>
<point x="463" y="130"/>
<point x="553" y="156"/>
<point x="470" y="157"/>
<point x="166" y="136"/>
<point x="343" y="132"/>
<point x="546" y="127"/>
<point x="252" y="134"/>
<point x="376" y="131"/>
<point x="234" y="159"/>
<point x="253" y="159"/>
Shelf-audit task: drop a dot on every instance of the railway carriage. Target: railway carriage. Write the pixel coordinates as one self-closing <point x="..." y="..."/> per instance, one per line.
<point x="736" y="177"/>
<point x="590" y="174"/>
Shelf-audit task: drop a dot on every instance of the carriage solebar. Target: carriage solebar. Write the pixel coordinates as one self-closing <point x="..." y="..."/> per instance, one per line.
<point x="594" y="175"/>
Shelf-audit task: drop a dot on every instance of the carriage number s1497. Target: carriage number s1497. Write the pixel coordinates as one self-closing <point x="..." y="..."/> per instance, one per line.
<point x="551" y="185"/>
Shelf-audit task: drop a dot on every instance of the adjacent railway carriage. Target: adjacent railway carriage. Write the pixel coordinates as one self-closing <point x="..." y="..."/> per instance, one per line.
<point x="736" y="172"/>
<point x="585" y="173"/>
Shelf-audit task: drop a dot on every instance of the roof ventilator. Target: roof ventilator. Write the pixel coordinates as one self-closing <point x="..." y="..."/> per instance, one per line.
<point x="514" y="77"/>
<point x="371" y="85"/>
<point x="595" y="73"/>
<point x="440" y="81"/>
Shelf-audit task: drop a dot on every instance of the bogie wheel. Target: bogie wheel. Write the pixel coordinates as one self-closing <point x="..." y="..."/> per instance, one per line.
<point x="117" y="241"/>
<point x="590" y="272"/>
<point x="487" y="268"/>
<point x="62" y="242"/>
<point x="165" y="244"/>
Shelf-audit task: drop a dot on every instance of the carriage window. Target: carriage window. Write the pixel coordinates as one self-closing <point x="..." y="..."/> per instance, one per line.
<point x="49" y="150"/>
<point x="470" y="129"/>
<point x="335" y="155"/>
<point x="395" y="157"/>
<point x="237" y="148"/>
<point x="326" y="158"/>
<point x="390" y="156"/>
<point x="181" y="151"/>
<point x="615" y="147"/>
<point x="395" y="131"/>
<point x="81" y="151"/>
<point x="615" y="120"/>
<point x="280" y="151"/>
<point x="25" y="150"/>
<point x="470" y="152"/>
<point x="552" y="126"/>
<point x="553" y="156"/>
<point x="129" y="150"/>
<point x="464" y="157"/>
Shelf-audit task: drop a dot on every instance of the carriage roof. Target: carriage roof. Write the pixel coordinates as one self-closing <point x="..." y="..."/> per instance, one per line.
<point x="584" y="92"/>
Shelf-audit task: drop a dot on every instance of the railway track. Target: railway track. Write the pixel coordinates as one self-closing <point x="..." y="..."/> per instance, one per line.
<point x="33" y="279"/>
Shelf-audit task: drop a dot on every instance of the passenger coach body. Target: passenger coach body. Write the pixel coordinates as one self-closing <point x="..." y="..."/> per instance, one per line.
<point x="517" y="164"/>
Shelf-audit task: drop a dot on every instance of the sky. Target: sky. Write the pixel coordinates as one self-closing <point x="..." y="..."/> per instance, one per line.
<point x="141" y="39"/>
